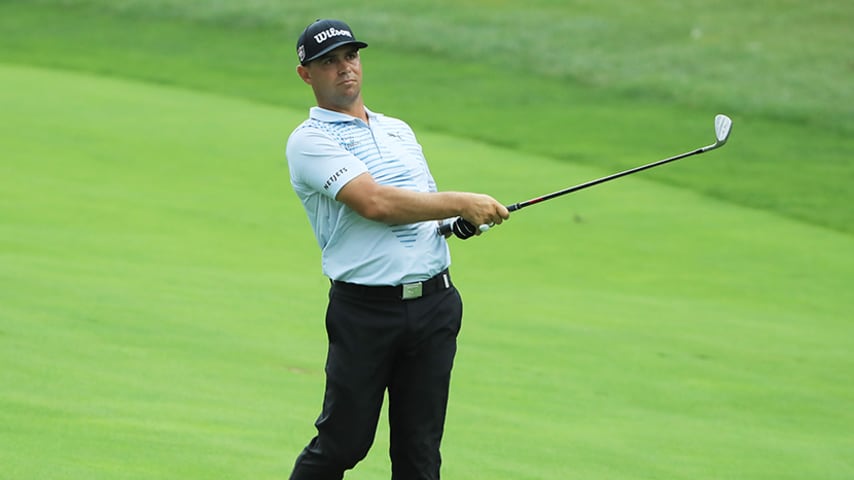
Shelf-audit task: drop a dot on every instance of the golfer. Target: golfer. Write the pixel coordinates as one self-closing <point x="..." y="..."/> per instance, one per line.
<point x="393" y="313"/>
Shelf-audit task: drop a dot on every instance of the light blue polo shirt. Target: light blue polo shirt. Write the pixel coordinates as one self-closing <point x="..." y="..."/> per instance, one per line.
<point x="327" y="151"/>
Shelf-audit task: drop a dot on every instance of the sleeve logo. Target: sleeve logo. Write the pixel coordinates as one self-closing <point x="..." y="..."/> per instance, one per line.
<point x="335" y="176"/>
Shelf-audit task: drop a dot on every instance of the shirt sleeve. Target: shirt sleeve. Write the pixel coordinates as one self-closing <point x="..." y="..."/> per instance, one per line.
<point x="320" y="164"/>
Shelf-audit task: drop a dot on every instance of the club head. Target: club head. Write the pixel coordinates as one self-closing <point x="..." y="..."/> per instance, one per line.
<point x="723" y="125"/>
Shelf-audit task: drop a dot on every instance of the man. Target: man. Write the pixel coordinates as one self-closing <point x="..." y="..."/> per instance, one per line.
<point x="393" y="313"/>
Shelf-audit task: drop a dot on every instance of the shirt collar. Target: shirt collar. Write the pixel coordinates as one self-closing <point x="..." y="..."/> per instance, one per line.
<point x="331" y="116"/>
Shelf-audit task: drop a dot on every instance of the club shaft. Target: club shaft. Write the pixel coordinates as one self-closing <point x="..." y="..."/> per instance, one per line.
<point x="534" y="201"/>
<point x="445" y="229"/>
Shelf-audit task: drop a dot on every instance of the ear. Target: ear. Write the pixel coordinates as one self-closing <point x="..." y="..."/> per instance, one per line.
<point x="304" y="74"/>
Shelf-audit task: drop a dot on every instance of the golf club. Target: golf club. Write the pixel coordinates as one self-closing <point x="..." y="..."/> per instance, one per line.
<point x="463" y="229"/>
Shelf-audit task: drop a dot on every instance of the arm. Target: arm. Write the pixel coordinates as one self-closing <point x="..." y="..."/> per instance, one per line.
<point x="394" y="205"/>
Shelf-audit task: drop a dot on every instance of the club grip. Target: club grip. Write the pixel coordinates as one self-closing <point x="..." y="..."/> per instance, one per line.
<point x="461" y="228"/>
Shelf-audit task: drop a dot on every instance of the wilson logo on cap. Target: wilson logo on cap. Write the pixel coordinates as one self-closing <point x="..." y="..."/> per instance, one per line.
<point x="331" y="32"/>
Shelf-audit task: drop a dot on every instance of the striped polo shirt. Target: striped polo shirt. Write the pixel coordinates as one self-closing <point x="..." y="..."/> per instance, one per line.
<point x="327" y="151"/>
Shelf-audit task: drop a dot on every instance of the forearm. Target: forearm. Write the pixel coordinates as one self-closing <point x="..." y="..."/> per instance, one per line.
<point x="393" y="205"/>
<point x="396" y="206"/>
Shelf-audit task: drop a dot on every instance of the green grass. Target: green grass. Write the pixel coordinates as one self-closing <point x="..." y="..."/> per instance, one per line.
<point x="128" y="347"/>
<point x="792" y="158"/>
<point x="161" y="299"/>
<point x="160" y="314"/>
<point x="754" y="58"/>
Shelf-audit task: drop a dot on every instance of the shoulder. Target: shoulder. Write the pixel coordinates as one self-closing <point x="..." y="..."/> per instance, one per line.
<point x="314" y="135"/>
<point x="312" y="128"/>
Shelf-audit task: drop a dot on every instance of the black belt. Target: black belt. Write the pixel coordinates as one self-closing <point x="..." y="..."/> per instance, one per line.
<point x="407" y="291"/>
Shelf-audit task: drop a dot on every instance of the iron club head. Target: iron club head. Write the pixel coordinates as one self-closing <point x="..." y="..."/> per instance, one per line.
<point x="723" y="125"/>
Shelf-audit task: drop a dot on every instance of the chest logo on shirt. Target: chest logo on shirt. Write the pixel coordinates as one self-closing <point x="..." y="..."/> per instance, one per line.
<point x="335" y="176"/>
<point x="395" y="135"/>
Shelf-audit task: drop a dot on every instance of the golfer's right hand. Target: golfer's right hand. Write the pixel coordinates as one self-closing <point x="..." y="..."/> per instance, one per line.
<point x="481" y="210"/>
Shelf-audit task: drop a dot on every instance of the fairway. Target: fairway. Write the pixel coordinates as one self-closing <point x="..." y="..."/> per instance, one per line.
<point x="161" y="295"/>
<point x="162" y="307"/>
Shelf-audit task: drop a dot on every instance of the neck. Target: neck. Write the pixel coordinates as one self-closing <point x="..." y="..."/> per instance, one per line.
<point x="355" y="108"/>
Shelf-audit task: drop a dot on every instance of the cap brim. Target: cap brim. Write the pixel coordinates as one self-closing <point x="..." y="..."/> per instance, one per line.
<point x="333" y="47"/>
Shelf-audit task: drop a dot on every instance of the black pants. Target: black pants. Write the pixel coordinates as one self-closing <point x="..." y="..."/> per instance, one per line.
<point x="379" y="343"/>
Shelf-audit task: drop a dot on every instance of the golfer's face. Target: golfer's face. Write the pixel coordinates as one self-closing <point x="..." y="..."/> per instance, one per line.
<point x="337" y="76"/>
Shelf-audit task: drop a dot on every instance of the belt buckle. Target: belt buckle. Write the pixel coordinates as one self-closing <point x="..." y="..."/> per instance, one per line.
<point x="412" y="290"/>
